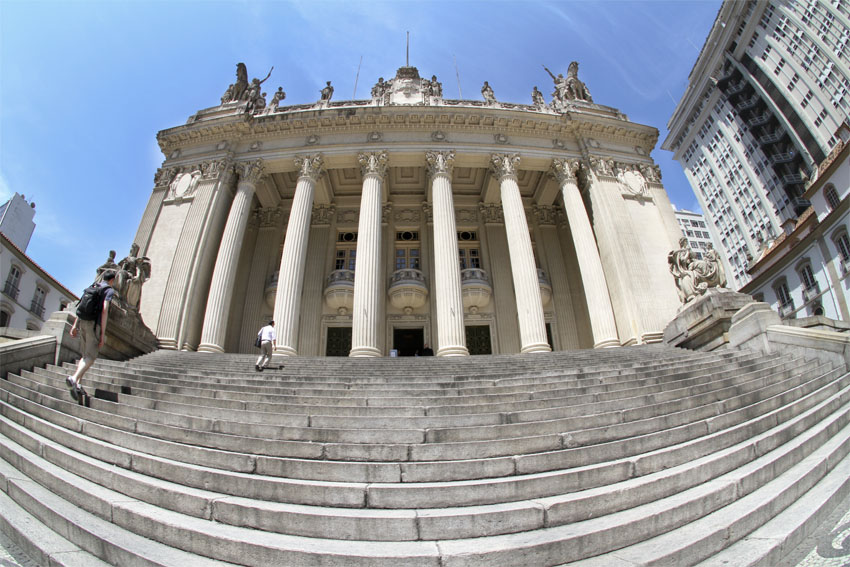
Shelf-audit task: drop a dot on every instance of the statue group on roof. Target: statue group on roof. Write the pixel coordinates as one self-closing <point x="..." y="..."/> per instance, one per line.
<point x="250" y="93"/>
<point x="568" y="88"/>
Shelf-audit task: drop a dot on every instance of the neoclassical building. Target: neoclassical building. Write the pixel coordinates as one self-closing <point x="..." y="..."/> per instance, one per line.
<point x="364" y="227"/>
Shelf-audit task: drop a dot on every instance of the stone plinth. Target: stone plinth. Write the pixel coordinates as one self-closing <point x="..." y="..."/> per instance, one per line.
<point x="127" y="336"/>
<point x="703" y="323"/>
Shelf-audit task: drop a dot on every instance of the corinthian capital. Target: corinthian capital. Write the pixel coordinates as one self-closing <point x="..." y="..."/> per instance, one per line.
<point x="250" y="171"/>
<point x="602" y="166"/>
<point x="374" y="163"/>
<point x="215" y="168"/>
<point x="165" y="175"/>
<point x="565" y="169"/>
<point x="311" y="167"/>
<point x="504" y="165"/>
<point x="440" y="163"/>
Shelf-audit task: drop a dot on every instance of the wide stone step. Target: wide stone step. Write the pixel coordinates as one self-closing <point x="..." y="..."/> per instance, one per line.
<point x="794" y="439"/>
<point x="544" y="546"/>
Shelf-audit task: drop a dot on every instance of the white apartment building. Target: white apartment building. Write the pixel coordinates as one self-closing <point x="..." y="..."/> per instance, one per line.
<point x="29" y="294"/>
<point x="765" y="98"/>
<point x="807" y="272"/>
<point x="16" y="222"/>
<point x="694" y="227"/>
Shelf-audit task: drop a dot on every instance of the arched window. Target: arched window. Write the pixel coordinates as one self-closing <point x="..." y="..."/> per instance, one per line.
<point x="842" y="243"/>
<point x="5" y="318"/>
<point x="831" y="196"/>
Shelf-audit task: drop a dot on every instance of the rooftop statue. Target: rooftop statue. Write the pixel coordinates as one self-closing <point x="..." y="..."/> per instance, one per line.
<point x="695" y="276"/>
<point x="569" y="88"/>
<point x="537" y="98"/>
<point x="436" y="87"/>
<point x="327" y="92"/>
<point x="241" y="90"/>
<point x="487" y="93"/>
<point x="276" y="98"/>
<point x="380" y="88"/>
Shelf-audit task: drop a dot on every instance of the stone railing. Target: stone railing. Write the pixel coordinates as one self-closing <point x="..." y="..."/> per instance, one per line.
<point x="339" y="291"/>
<point x="408" y="290"/>
<point x="475" y="289"/>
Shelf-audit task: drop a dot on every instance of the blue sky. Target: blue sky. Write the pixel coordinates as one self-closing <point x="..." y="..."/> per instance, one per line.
<point x="85" y="86"/>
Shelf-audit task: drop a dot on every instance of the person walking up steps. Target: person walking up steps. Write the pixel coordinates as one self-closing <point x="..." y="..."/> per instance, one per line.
<point x="268" y="340"/>
<point x="90" y="325"/>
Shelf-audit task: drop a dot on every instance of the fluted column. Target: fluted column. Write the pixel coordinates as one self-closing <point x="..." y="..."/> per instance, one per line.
<point x="451" y="336"/>
<point x="532" y="326"/>
<point x="367" y="273"/>
<point x="287" y="301"/>
<point x="224" y="273"/>
<point x="602" y="323"/>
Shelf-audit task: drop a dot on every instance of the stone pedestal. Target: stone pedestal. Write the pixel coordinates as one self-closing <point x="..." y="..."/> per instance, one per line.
<point x="703" y="323"/>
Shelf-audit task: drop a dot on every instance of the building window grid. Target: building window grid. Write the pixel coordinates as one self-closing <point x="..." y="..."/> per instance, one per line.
<point x="831" y="196"/>
<point x="346" y="251"/>
<point x="469" y="253"/>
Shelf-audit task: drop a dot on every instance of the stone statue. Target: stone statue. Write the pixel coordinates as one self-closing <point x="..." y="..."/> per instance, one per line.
<point x="276" y="98"/>
<point x="228" y="94"/>
<point x="537" y="98"/>
<point x="693" y="276"/>
<point x="487" y="93"/>
<point x="108" y="265"/>
<point x="133" y="272"/>
<point x="436" y="87"/>
<point x="575" y="88"/>
<point x="380" y="88"/>
<point x="327" y="92"/>
<point x="236" y="91"/>
<point x="559" y="94"/>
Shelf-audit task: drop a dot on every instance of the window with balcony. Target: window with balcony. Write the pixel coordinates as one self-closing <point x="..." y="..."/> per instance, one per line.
<point x="783" y="296"/>
<point x="842" y="243"/>
<point x="407" y="250"/>
<point x="469" y="252"/>
<point x="13" y="280"/>
<point x="810" y="284"/>
<point x="37" y="305"/>
<point x="346" y="251"/>
<point x="831" y="196"/>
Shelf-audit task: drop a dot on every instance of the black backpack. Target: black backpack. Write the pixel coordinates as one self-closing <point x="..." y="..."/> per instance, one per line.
<point x="91" y="303"/>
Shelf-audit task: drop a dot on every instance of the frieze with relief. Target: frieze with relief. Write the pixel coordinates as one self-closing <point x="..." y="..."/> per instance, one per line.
<point x="407" y="216"/>
<point x="322" y="214"/>
<point x="347" y="217"/>
<point x="467" y="217"/>
<point x="491" y="213"/>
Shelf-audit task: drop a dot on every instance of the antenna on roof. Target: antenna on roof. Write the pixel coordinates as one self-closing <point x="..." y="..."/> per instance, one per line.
<point x="407" y="55"/>
<point x="460" y="94"/>
<point x="354" y="96"/>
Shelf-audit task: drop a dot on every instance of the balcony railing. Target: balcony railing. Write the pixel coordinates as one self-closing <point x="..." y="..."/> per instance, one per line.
<point x="735" y="88"/>
<point x="787" y="309"/>
<point x="37" y="309"/>
<point x="759" y="120"/>
<point x="773" y="137"/>
<point x="748" y="103"/>
<point x="792" y="178"/>
<point x="11" y="290"/>
<point x="782" y="158"/>
<point x="811" y="293"/>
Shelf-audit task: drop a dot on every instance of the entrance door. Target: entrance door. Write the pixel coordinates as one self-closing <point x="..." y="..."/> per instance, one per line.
<point x="478" y="339"/>
<point x="339" y="341"/>
<point x="408" y="341"/>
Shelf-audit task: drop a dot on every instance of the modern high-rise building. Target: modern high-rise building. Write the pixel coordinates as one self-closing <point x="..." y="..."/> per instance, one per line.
<point x="16" y="222"/>
<point x="765" y="98"/>
<point x="694" y="227"/>
<point x="364" y="227"/>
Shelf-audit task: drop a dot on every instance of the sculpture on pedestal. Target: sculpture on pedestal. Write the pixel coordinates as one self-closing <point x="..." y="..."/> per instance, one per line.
<point x="108" y="265"/>
<point x="133" y="272"/>
<point x="241" y="90"/>
<point x="537" y="98"/>
<point x="327" y="92"/>
<point x="568" y="89"/>
<point x="276" y="98"/>
<point x="694" y="276"/>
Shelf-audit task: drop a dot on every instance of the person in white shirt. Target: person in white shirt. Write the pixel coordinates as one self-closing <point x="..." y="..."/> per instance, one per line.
<point x="268" y="340"/>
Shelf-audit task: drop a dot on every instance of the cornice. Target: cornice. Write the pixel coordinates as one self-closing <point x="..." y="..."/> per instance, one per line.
<point x="517" y="123"/>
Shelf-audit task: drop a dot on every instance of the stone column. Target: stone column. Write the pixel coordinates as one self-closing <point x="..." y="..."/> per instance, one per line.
<point x="451" y="336"/>
<point x="224" y="273"/>
<point x="602" y="322"/>
<point x="367" y="274"/>
<point x="287" y="301"/>
<point x="532" y="326"/>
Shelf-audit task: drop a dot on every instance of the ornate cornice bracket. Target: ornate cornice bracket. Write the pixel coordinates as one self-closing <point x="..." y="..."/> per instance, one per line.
<point x="491" y="213"/>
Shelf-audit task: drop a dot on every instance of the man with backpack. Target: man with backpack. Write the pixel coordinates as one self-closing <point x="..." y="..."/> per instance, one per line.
<point x="90" y="325"/>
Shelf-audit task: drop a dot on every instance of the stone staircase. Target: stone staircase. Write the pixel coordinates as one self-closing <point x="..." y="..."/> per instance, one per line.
<point x="644" y="455"/>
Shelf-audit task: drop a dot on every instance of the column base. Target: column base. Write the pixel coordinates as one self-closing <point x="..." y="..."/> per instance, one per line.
<point x="167" y="343"/>
<point x="365" y="351"/>
<point x="207" y="347"/>
<point x="455" y="350"/>
<point x="536" y="347"/>
<point x="285" y="351"/>
<point x="607" y="343"/>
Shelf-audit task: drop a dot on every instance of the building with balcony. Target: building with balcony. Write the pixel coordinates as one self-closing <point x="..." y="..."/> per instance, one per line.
<point x="365" y="226"/>
<point x="806" y="272"/>
<point x="29" y="294"/>
<point x="764" y="100"/>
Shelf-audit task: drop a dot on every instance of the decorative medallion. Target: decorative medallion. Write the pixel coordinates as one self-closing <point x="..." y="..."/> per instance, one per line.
<point x="631" y="177"/>
<point x="312" y="140"/>
<point x="374" y="137"/>
<point x="438" y="136"/>
<point x="500" y="138"/>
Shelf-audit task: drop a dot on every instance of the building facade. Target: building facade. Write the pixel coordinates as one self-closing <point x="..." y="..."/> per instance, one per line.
<point x="694" y="227"/>
<point x="367" y="226"/>
<point x="765" y="98"/>
<point x="807" y="272"/>
<point x="29" y="293"/>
